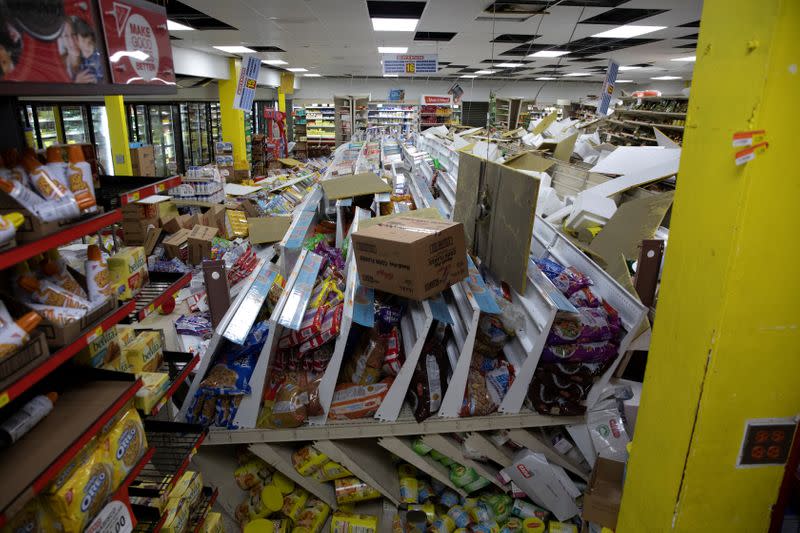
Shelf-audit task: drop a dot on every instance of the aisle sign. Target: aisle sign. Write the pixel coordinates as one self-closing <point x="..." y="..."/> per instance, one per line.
<point x="138" y="44"/>
<point x="248" y="79"/>
<point x="410" y="64"/>
<point x="608" y="88"/>
<point x="436" y="99"/>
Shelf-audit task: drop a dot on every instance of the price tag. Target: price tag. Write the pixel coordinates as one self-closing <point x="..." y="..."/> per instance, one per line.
<point x="748" y="138"/>
<point x="748" y="154"/>
<point x="114" y="518"/>
<point x="161" y="187"/>
<point x="95" y="334"/>
<point x="133" y="197"/>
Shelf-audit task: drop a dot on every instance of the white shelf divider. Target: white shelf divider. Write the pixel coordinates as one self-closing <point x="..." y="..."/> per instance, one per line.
<point x="367" y="461"/>
<point x="280" y="457"/>
<point x="488" y="449"/>
<point x="535" y="444"/>
<point x="470" y="313"/>
<point x="401" y="447"/>
<point x="447" y="445"/>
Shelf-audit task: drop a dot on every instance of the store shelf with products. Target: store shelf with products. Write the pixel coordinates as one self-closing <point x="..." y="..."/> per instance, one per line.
<point x="396" y="116"/>
<point x="280" y="457"/>
<point x="160" y="288"/>
<point x="178" y="366"/>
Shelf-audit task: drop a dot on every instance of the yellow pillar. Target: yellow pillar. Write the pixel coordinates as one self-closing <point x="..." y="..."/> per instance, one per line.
<point x="726" y="344"/>
<point x="232" y="120"/>
<point x="281" y="101"/>
<point x="118" y="135"/>
<point x="286" y="87"/>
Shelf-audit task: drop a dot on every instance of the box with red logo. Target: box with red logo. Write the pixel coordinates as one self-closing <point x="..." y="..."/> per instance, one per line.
<point x="544" y="483"/>
<point x="412" y="257"/>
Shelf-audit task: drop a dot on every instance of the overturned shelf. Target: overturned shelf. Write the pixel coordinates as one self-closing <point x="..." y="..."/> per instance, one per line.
<point x="448" y="446"/>
<point x="401" y="447"/>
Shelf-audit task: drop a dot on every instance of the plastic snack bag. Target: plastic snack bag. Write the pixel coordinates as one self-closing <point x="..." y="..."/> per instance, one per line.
<point x="126" y="444"/>
<point x="308" y="460"/>
<point x="358" y="401"/>
<point x="428" y="383"/>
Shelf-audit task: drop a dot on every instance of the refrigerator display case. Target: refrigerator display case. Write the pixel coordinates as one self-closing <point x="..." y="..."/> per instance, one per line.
<point x="102" y="141"/>
<point x="138" y="129"/>
<point x="76" y="124"/>
<point x="45" y="125"/>
<point x="162" y="135"/>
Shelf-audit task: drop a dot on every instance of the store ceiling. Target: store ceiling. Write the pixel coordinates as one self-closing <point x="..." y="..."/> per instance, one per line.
<point x="336" y="37"/>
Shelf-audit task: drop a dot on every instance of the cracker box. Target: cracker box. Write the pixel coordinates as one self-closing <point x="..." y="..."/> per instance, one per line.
<point x="128" y="271"/>
<point x="145" y="353"/>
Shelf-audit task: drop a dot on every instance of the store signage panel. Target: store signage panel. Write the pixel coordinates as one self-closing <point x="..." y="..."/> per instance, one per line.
<point x="608" y="88"/>
<point x="410" y="64"/>
<point x="436" y="99"/>
<point x="248" y="80"/>
<point x="57" y="41"/>
<point x="137" y="40"/>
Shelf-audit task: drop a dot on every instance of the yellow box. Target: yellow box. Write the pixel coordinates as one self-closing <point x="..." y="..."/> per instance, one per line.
<point x="177" y="517"/>
<point x="128" y="271"/>
<point x="213" y="523"/>
<point x="145" y="353"/>
<point x="101" y="350"/>
<point x="155" y="385"/>
<point x="236" y="224"/>
<point x="188" y="488"/>
<point x="126" y="335"/>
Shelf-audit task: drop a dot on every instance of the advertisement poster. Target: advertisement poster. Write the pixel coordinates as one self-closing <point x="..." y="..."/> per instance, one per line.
<point x="248" y="81"/>
<point x="410" y="64"/>
<point x="138" y="44"/>
<point x="608" y="88"/>
<point x="51" y="41"/>
<point x="456" y="91"/>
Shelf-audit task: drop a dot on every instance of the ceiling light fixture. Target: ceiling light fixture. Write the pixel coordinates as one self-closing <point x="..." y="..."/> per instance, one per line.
<point x="274" y="62"/>
<point x="312" y="75"/>
<point x="577" y="74"/>
<point x="468" y="76"/>
<point x="297" y="69"/>
<point x="549" y="53"/>
<point x="479" y="72"/>
<point x="666" y="78"/>
<point x="177" y="26"/>
<point x="687" y="59"/>
<point x="392" y="49"/>
<point x="627" y="31"/>
<point x="624" y="81"/>
<point x="390" y="76"/>
<point x="386" y="24"/>
<point x="628" y="67"/>
<point x="237" y="49"/>
<point x="545" y="78"/>
<point x="510" y="65"/>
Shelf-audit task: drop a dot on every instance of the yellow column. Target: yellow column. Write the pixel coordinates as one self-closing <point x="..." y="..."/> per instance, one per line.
<point x="281" y="101"/>
<point x="118" y="135"/>
<point x="286" y="87"/>
<point x="232" y="120"/>
<point x="726" y="345"/>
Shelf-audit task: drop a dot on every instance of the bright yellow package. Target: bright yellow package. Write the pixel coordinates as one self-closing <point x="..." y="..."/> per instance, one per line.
<point x="561" y="527"/>
<point x="352" y="489"/>
<point x="308" y="460"/>
<point x="213" y="523"/>
<point x="236" y="224"/>
<point x="35" y="517"/>
<point x="256" y="471"/>
<point x="84" y="494"/>
<point x="177" y="517"/>
<point x="154" y="387"/>
<point x="267" y="525"/>
<point x="119" y="364"/>
<point x="128" y="270"/>
<point x="126" y="445"/>
<point x="101" y="350"/>
<point x="188" y="488"/>
<point x="331" y="471"/>
<point x="354" y="523"/>
<point x="146" y="352"/>
<point x="294" y="503"/>
<point x="126" y="335"/>
<point x="79" y="460"/>
<point x="314" y="515"/>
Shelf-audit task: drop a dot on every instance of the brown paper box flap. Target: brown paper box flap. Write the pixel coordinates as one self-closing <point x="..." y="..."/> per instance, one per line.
<point x="355" y="185"/>
<point x="268" y="229"/>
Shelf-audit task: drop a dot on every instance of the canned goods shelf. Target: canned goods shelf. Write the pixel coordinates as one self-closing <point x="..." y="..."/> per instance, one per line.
<point x="280" y="457"/>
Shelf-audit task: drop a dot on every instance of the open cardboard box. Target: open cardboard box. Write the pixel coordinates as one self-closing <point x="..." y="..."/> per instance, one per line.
<point x="58" y="336"/>
<point x="31" y="355"/>
<point x="603" y="496"/>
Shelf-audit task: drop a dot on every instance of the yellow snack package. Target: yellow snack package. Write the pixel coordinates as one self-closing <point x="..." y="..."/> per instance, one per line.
<point x="354" y="523"/>
<point x="145" y="353"/>
<point x="119" y="364"/>
<point x="308" y="460"/>
<point x="154" y="387"/>
<point x="266" y="525"/>
<point x="213" y="523"/>
<point x="101" y="350"/>
<point x="177" y="517"/>
<point x="188" y="488"/>
<point x="126" y="444"/>
<point x="128" y="270"/>
<point x="314" y="515"/>
<point x="561" y="527"/>
<point x="84" y="494"/>
<point x="352" y="489"/>
<point x="79" y="460"/>
<point x="256" y="471"/>
<point x="284" y="484"/>
<point x="294" y="503"/>
<point x="331" y="471"/>
<point x="35" y="517"/>
<point x="236" y="224"/>
<point x="125" y="335"/>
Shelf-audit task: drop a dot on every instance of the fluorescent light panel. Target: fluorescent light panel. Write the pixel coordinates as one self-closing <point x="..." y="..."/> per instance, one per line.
<point x="666" y="78"/>
<point x="469" y="76"/>
<point x="274" y="62"/>
<point x="687" y="59"/>
<point x="392" y="49"/>
<point x="624" y="81"/>
<point x="297" y="69"/>
<point x="390" y="76"/>
<point x="510" y="65"/>
<point x="312" y="75"/>
<point x="382" y="24"/>
<point x="627" y="67"/>
<point x="177" y="26"/>
<point x="549" y="53"/>
<point x="577" y="74"/>
<point x="235" y="49"/>
<point x="479" y="72"/>
<point x="545" y="78"/>
<point x="628" y="31"/>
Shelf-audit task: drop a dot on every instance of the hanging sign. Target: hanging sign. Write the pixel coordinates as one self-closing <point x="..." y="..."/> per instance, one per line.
<point x="410" y="64"/>
<point x="608" y="88"/>
<point x="248" y="79"/>
<point x="436" y="99"/>
<point x="137" y="40"/>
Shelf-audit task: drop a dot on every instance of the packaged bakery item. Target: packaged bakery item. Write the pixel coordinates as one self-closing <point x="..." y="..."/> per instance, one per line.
<point x="145" y="353"/>
<point x="264" y="525"/>
<point x="83" y="495"/>
<point x="314" y="515"/>
<point x="177" y="520"/>
<point x="126" y="445"/>
<point x="331" y="471"/>
<point x="154" y="387"/>
<point x="352" y="489"/>
<point x="358" y="401"/>
<point x="342" y="522"/>
<point x="294" y="503"/>
<point x="189" y="488"/>
<point x="254" y="471"/>
<point x="35" y="517"/>
<point x="308" y="460"/>
<point x="429" y="381"/>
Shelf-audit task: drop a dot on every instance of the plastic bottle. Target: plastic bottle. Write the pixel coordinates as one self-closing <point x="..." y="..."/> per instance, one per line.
<point x="56" y="165"/>
<point x="26" y="418"/>
<point x="97" y="275"/>
<point x="15" y="334"/>
<point x="9" y="224"/>
<point x="56" y="210"/>
<point x="23" y="195"/>
<point x="78" y="177"/>
<point x="49" y="186"/>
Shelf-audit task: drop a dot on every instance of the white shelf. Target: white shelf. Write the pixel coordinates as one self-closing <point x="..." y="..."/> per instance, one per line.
<point x="367" y="461"/>
<point x="448" y="446"/>
<point x="280" y="457"/>
<point x="488" y="449"/>
<point x="401" y="447"/>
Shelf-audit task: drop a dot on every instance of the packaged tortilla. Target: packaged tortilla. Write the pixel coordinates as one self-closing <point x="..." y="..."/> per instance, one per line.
<point x="126" y="444"/>
<point x="358" y="401"/>
<point x="352" y="489"/>
<point x="314" y="515"/>
<point x="308" y="460"/>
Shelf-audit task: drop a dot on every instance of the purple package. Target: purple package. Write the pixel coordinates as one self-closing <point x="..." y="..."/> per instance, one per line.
<point x="591" y="325"/>
<point x="585" y="297"/>
<point x="549" y="268"/>
<point x="590" y="352"/>
<point x="570" y="281"/>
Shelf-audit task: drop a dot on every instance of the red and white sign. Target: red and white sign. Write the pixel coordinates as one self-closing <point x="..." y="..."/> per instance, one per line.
<point x="433" y="99"/>
<point x="138" y="44"/>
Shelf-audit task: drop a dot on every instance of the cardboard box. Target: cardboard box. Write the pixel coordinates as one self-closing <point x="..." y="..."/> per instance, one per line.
<point x="191" y="221"/>
<point x="143" y="161"/>
<point x="215" y="218"/>
<point x="152" y="208"/>
<point x="268" y="229"/>
<point x="128" y="270"/>
<point x="174" y="243"/>
<point x="603" y="496"/>
<point x="172" y="224"/>
<point x="411" y="257"/>
<point x="200" y="243"/>
<point x="32" y="229"/>
<point x="352" y="186"/>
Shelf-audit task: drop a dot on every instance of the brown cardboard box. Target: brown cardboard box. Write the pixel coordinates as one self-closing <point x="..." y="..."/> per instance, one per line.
<point x="171" y="224"/>
<point x="149" y="209"/>
<point x="190" y="221"/>
<point x="143" y="161"/>
<point x="32" y="229"/>
<point x="215" y="218"/>
<point x="174" y="243"/>
<point x="200" y="238"/>
<point x="411" y="257"/>
<point x="602" y="498"/>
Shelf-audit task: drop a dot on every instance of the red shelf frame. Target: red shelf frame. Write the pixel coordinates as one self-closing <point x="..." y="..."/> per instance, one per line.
<point x="169" y="293"/>
<point x="26" y="251"/>
<point x="63" y="355"/>
<point x="199" y="527"/>
<point x="150" y="190"/>
<point x="177" y="383"/>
